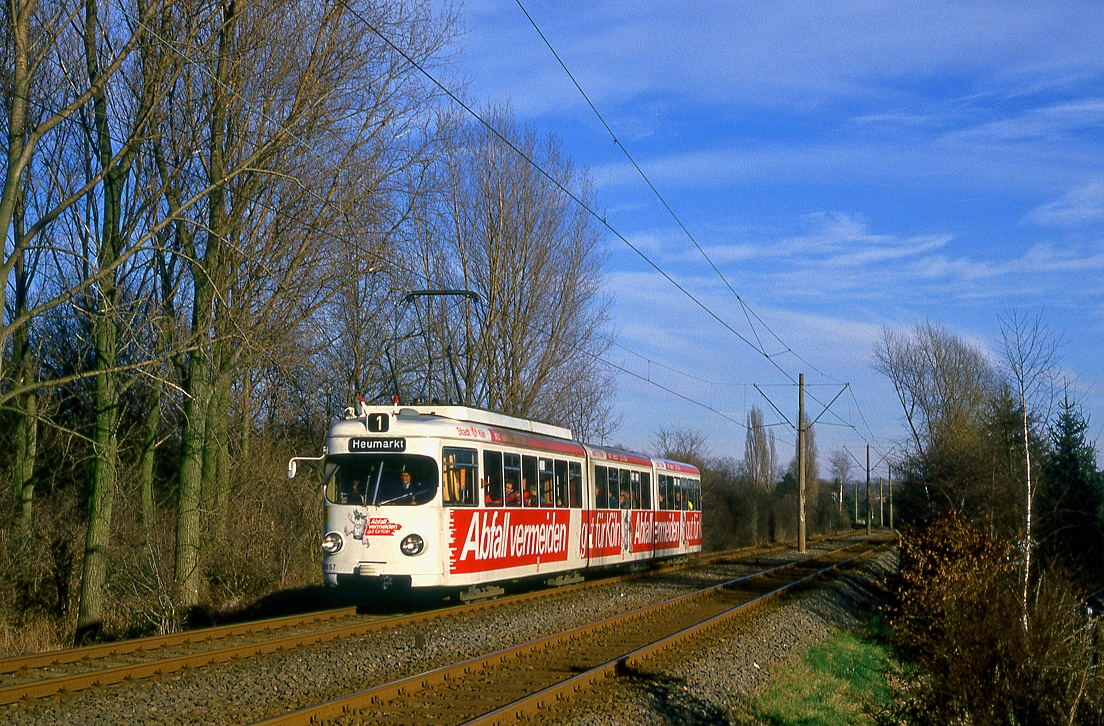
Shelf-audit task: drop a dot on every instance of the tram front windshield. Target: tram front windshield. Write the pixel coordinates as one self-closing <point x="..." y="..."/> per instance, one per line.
<point x="381" y="480"/>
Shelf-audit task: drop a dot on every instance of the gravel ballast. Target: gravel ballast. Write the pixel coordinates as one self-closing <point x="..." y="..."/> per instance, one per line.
<point x="735" y="663"/>
<point x="711" y="681"/>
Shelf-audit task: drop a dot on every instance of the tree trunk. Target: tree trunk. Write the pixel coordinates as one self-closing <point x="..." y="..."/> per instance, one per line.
<point x="23" y="365"/>
<point x="148" y="454"/>
<point x="216" y="455"/>
<point x="105" y="338"/>
<point x="189" y="522"/>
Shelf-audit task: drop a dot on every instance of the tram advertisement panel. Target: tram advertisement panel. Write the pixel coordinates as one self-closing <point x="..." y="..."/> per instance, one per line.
<point x="493" y="539"/>
<point x="693" y="529"/>
<point x="603" y="532"/>
<point x="668" y="530"/>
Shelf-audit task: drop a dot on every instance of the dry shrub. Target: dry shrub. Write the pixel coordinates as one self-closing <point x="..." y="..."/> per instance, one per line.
<point x="142" y="594"/>
<point x="273" y="526"/>
<point x="39" y="575"/>
<point x="957" y="625"/>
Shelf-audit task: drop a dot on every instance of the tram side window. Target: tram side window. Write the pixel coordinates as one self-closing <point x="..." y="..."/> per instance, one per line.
<point x="645" y="490"/>
<point x="634" y="478"/>
<point x="694" y="500"/>
<point x="625" y="502"/>
<point x="613" y="489"/>
<point x="461" y="470"/>
<point x="511" y="465"/>
<point x="562" y="494"/>
<point x="600" y="491"/>
<point x="492" y="478"/>
<point x="530" y="495"/>
<point x="575" y="484"/>
<point x="545" y="485"/>
<point x="677" y="502"/>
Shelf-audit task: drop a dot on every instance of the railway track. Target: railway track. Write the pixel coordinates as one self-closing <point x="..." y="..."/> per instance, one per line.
<point x="41" y="675"/>
<point x="525" y="680"/>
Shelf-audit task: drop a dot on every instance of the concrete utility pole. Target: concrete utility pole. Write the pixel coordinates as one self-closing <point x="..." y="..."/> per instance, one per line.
<point x="891" y="497"/>
<point x="881" y="503"/>
<point x="801" y="462"/>
<point x="868" y="502"/>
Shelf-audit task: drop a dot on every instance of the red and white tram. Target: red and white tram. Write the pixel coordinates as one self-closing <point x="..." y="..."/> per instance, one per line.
<point x="455" y="497"/>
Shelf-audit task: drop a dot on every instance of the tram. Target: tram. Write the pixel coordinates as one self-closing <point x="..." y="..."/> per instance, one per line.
<point x="457" y="497"/>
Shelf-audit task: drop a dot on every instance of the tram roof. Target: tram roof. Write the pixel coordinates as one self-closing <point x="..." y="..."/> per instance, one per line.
<point x="460" y="414"/>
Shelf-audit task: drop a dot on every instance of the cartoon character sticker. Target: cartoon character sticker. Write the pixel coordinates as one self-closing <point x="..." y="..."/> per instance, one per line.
<point x="359" y="522"/>
<point x="626" y="531"/>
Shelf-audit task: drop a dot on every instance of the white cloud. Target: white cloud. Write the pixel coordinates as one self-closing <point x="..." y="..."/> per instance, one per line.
<point x="1077" y="207"/>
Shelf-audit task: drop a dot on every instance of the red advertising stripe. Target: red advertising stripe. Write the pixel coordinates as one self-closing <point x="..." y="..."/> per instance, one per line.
<point x="620" y="457"/>
<point x="532" y="441"/>
<point x="693" y="528"/>
<point x="493" y="539"/>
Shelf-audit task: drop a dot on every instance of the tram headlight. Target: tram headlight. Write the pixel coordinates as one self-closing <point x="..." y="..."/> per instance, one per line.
<point x="411" y="545"/>
<point x="332" y="543"/>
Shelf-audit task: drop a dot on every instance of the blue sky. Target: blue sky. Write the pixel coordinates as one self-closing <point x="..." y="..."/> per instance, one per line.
<point x="847" y="165"/>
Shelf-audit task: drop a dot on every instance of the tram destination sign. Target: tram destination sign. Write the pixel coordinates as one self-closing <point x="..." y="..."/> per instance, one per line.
<point x="374" y="445"/>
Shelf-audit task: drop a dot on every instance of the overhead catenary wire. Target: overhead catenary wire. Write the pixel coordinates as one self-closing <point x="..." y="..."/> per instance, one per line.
<point x="748" y="311"/>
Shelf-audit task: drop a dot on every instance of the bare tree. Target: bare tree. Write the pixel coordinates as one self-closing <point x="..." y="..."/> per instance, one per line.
<point x="122" y="199"/>
<point x="532" y="344"/>
<point x="947" y="390"/>
<point x="943" y="383"/>
<point x="681" y="444"/>
<point x="297" y="122"/>
<point x="839" y="465"/>
<point x="1028" y="357"/>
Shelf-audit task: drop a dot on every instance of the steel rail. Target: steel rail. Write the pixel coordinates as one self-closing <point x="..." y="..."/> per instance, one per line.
<point x="378" y="695"/>
<point x="45" y="687"/>
<point x="122" y="647"/>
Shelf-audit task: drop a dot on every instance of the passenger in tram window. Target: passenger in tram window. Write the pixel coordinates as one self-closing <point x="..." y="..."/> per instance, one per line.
<point x="493" y="495"/>
<point x="405" y="482"/>
<point x="662" y="500"/>
<point x="575" y="484"/>
<point x="626" y="500"/>
<point x="678" y="498"/>
<point x="561" y="483"/>
<point x="511" y="499"/>
<point x="352" y="491"/>
<point x="530" y="493"/>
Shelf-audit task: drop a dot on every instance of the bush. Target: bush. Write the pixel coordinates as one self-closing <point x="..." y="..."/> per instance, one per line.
<point x="957" y="624"/>
<point x="39" y="576"/>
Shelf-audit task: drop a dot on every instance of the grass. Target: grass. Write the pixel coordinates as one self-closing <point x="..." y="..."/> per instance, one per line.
<point x="835" y="684"/>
